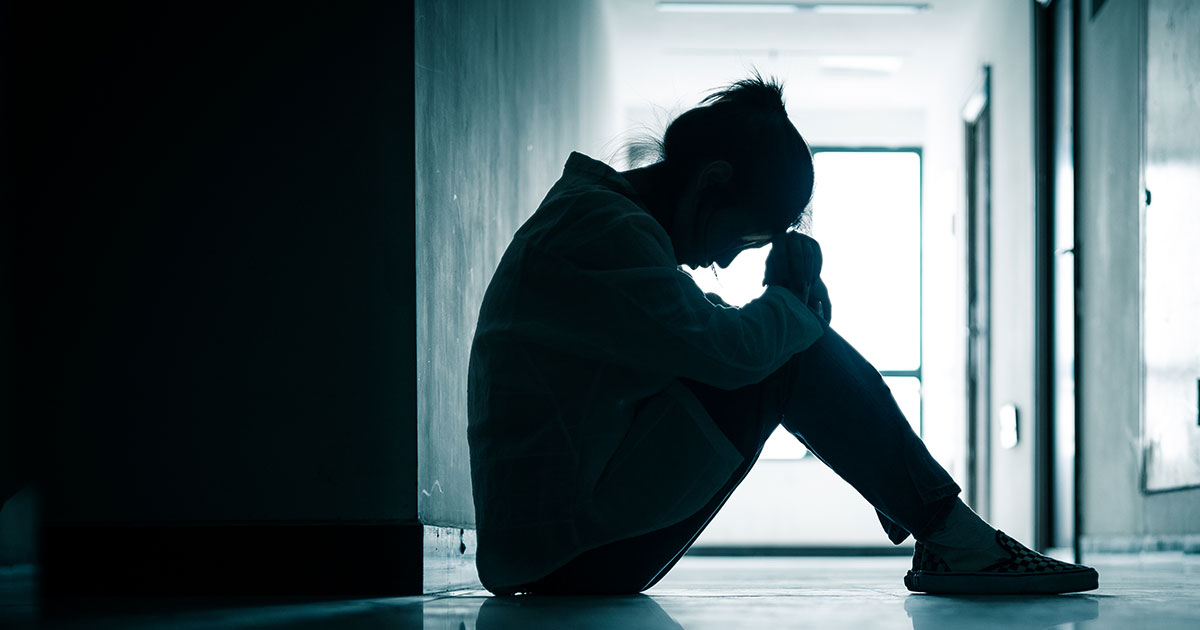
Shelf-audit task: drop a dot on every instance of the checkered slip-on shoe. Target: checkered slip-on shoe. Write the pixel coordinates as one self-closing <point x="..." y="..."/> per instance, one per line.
<point x="1024" y="571"/>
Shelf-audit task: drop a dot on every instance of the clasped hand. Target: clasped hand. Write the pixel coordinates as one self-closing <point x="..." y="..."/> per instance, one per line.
<point x="795" y="264"/>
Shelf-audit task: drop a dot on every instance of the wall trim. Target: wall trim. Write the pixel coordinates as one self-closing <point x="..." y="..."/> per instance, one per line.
<point x="448" y="555"/>
<point x="1187" y="543"/>
<point x="261" y="559"/>
<point x="800" y="550"/>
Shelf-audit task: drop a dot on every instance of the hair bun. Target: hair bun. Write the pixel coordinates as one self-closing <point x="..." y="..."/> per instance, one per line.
<point x="746" y="125"/>
<point x="752" y="93"/>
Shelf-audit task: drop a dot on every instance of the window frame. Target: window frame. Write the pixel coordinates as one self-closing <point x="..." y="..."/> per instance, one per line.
<point x="917" y="373"/>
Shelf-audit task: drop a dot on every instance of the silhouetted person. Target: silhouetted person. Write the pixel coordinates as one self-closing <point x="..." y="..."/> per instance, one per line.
<point x="614" y="406"/>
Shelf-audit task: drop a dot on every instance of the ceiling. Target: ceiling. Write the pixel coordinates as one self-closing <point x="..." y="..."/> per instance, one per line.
<point x="671" y="59"/>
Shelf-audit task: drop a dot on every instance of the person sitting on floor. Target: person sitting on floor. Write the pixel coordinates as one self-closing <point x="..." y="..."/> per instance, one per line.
<point x="614" y="406"/>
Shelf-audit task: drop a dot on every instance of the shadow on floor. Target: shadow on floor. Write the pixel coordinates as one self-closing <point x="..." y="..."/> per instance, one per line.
<point x="531" y="612"/>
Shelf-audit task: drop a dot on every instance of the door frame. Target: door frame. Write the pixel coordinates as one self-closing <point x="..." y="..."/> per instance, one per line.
<point x="976" y="115"/>
<point x="1056" y="268"/>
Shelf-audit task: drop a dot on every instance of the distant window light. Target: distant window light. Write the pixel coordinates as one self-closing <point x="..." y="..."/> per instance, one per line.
<point x="878" y="64"/>
<point x="871" y="241"/>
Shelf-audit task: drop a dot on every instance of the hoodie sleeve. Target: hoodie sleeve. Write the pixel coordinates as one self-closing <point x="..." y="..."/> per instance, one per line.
<point x="610" y="289"/>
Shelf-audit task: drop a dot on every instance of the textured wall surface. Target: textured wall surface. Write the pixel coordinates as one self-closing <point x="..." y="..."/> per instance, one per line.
<point x="1109" y="169"/>
<point x="217" y="261"/>
<point x="1171" y="228"/>
<point x="505" y="91"/>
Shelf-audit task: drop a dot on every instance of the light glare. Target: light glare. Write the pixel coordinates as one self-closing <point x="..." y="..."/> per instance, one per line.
<point x="862" y="63"/>
<point x="726" y="7"/>
<point x="869" y="9"/>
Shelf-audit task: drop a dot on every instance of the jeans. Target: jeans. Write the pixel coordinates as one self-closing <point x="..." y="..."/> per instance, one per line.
<point x="833" y="401"/>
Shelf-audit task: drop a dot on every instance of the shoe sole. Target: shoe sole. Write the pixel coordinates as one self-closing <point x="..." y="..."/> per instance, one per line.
<point x="950" y="583"/>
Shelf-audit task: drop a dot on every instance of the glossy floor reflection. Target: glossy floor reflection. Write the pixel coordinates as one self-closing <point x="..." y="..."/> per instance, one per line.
<point x="1160" y="591"/>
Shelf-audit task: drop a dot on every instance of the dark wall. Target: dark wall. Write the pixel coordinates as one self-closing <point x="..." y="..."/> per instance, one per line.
<point x="215" y="262"/>
<point x="16" y="545"/>
<point x="18" y="529"/>
<point x="505" y="90"/>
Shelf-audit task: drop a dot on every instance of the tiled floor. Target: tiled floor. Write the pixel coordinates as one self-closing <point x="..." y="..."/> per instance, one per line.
<point x="1160" y="591"/>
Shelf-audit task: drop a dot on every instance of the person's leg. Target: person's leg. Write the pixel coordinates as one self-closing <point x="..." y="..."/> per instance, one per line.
<point x="835" y="402"/>
<point x="838" y="405"/>
<point x="746" y="416"/>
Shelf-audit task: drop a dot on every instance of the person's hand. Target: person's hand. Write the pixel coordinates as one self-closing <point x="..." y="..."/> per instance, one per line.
<point x="795" y="264"/>
<point x="818" y="300"/>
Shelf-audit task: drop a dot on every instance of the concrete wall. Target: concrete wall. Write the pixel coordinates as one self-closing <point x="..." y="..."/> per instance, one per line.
<point x="216" y="261"/>
<point x="505" y="91"/>
<point x="1110" y="197"/>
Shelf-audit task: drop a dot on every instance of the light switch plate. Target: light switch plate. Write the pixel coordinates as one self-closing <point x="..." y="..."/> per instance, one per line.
<point x="1009" y="431"/>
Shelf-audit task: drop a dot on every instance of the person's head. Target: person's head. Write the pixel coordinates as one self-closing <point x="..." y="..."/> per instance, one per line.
<point x="742" y="172"/>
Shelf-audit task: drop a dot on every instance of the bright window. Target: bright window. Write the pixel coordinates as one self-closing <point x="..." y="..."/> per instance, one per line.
<point x="866" y="213"/>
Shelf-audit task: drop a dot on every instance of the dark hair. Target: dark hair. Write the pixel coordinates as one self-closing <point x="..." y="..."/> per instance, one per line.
<point x="746" y="125"/>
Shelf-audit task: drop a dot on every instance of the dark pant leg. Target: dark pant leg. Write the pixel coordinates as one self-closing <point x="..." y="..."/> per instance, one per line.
<point x="746" y="416"/>
<point x="835" y="402"/>
<point x="838" y="405"/>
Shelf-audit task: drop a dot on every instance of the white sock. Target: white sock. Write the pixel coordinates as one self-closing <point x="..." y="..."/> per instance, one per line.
<point x="966" y="542"/>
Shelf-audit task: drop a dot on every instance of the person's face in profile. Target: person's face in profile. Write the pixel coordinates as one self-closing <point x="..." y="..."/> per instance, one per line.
<point x="717" y="222"/>
<point x="728" y="232"/>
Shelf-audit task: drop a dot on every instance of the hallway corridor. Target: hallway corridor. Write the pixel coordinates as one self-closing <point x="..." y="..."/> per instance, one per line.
<point x="306" y="323"/>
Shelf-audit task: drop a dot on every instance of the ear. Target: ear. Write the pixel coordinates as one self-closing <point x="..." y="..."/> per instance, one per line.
<point x="716" y="174"/>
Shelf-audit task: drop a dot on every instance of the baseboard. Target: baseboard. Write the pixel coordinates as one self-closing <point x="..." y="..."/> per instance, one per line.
<point x="1186" y="543"/>
<point x="256" y="559"/>
<point x="449" y="559"/>
<point x="779" y="551"/>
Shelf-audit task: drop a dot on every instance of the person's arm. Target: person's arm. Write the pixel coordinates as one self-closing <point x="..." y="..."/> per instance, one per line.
<point x="716" y="299"/>
<point x="619" y="297"/>
<point x="795" y="264"/>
